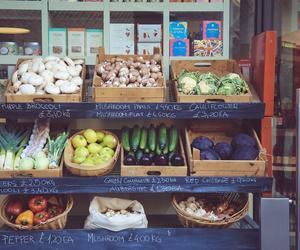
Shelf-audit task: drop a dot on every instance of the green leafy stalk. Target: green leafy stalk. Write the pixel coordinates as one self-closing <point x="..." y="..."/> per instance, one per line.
<point x="56" y="148"/>
<point x="2" y="157"/>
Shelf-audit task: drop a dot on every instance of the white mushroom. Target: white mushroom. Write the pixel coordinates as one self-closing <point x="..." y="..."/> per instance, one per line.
<point x="62" y="75"/>
<point x="40" y="92"/>
<point x="77" y="80"/>
<point x="72" y="71"/>
<point x="69" y="61"/>
<point x="23" y="68"/>
<point x="68" y="88"/>
<point x="50" y="58"/>
<point x="35" y="66"/>
<point x="35" y="80"/>
<point x="52" y="89"/>
<point x="27" y="89"/>
<point x="14" y="77"/>
<point x="78" y="61"/>
<point x="48" y="76"/>
<point x="25" y="77"/>
<point x="60" y="82"/>
<point x="78" y="67"/>
<point x="49" y="65"/>
<point x="41" y="68"/>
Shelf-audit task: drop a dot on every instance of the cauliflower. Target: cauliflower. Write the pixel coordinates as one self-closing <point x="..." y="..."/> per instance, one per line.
<point x="206" y="88"/>
<point x="187" y="82"/>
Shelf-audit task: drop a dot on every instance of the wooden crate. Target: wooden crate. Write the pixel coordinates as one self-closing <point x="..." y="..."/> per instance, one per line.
<point x="55" y="172"/>
<point x="76" y="97"/>
<point x="218" y="67"/>
<point x="116" y="94"/>
<point x="138" y="170"/>
<point x="217" y="133"/>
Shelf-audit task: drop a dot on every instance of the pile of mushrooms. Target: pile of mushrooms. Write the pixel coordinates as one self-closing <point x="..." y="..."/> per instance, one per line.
<point x="131" y="73"/>
<point x="122" y="212"/>
<point x="50" y="75"/>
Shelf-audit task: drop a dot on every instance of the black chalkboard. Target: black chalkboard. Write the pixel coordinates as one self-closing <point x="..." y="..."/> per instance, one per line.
<point x="146" y="239"/>
<point x="117" y="184"/>
<point x="132" y="110"/>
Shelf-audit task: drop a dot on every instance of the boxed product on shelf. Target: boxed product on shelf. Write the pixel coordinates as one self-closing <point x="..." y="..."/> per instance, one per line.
<point x="32" y="48"/>
<point x="36" y="212"/>
<point x="212" y="30"/>
<point x="208" y="48"/>
<point x="131" y="84"/>
<point x="121" y="33"/>
<point x="152" y="150"/>
<point x="149" y="32"/>
<point x="179" y="47"/>
<point x="219" y="81"/>
<point x="147" y="48"/>
<point x="202" y="1"/>
<point x="121" y="48"/>
<point x="58" y="42"/>
<point x="115" y="214"/>
<point x="38" y="156"/>
<point x="9" y="48"/>
<point x="50" y="85"/>
<point x="94" y="40"/>
<point x="216" y="1"/>
<point x="224" y="149"/>
<point x="76" y="42"/>
<point x="178" y="29"/>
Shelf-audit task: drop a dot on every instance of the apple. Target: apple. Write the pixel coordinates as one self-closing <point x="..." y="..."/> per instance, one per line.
<point x="107" y="150"/>
<point x="90" y="135"/>
<point x="97" y="160"/>
<point x="78" y="159"/>
<point x="100" y="136"/>
<point x="110" y="141"/>
<point x="81" y="151"/>
<point x="88" y="162"/>
<point x="79" y="141"/>
<point x="105" y="157"/>
<point x="94" y="148"/>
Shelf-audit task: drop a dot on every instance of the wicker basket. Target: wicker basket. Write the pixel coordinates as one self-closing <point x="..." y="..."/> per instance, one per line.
<point x="188" y="220"/>
<point x="57" y="222"/>
<point x="77" y="169"/>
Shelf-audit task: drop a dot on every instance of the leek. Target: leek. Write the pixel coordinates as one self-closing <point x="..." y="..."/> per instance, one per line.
<point x="2" y="157"/>
<point x="56" y="148"/>
<point x="18" y="158"/>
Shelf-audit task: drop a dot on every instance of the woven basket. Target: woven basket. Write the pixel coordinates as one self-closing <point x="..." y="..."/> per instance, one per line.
<point x="77" y="169"/>
<point x="57" y="222"/>
<point x="188" y="220"/>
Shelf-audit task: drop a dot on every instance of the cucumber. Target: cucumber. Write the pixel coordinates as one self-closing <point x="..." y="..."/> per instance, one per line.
<point x="135" y="138"/>
<point x="143" y="141"/>
<point x="158" y="150"/>
<point x="162" y="136"/>
<point x="139" y="155"/>
<point x="146" y="150"/>
<point x="125" y="139"/>
<point x="166" y="149"/>
<point x="152" y="138"/>
<point x="173" y="139"/>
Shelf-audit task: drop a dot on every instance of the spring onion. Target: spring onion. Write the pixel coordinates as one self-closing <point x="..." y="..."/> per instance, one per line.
<point x="56" y="148"/>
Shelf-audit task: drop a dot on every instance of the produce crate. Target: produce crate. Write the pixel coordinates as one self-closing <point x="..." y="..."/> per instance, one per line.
<point x="138" y="170"/>
<point x="76" y="97"/>
<point x="218" y="67"/>
<point x="217" y="133"/>
<point x="117" y="94"/>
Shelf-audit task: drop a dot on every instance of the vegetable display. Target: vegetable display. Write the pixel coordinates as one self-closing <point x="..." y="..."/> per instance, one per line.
<point x="34" y="210"/>
<point x="196" y="83"/>
<point x="242" y="147"/>
<point x="151" y="146"/>
<point x="93" y="148"/>
<point x="131" y="73"/>
<point x="22" y="151"/>
<point x="49" y="75"/>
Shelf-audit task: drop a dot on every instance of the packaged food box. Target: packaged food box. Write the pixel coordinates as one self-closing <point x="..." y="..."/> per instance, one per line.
<point x="121" y="32"/>
<point x="58" y="42"/>
<point x="76" y="42"/>
<point x="208" y="48"/>
<point x="94" y="40"/>
<point x="178" y="30"/>
<point x="147" y="48"/>
<point x="212" y="30"/>
<point x="121" y="48"/>
<point x="149" y="32"/>
<point x="179" y="47"/>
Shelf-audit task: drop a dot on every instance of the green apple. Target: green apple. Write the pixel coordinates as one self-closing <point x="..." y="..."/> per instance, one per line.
<point x="107" y="150"/>
<point x="79" y="141"/>
<point x="106" y="157"/>
<point x="90" y="135"/>
<point x="81" y="151"/>
<point x="98" y="160"/>
<point x="110" y="141"/>
<point x="88" y="162"/>
<point x="100" y="136"/>
<point x="78" y="159"/>
<point x="94" y="148"/>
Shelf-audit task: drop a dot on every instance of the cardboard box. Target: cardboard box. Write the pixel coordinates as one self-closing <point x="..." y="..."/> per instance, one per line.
<point x="212" y="30"/>
<point x="147" y="48"/>
<point x="149" y="32"/>
<point x="179" y="47"/>
<point x="94" y="40"/>
<point x="117" y="48"/>
<point x="121" y="32"/>
<point x="178" y="30"/>
<point x="57" y="42"/>
<point x="76" y="42"/>
<point x="208" y="48"/>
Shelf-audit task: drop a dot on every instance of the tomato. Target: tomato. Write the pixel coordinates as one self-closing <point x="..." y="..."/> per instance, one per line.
<point x="40" y="217"/>
<point x="37" y="203"/>
<point x="54" y="210"/>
